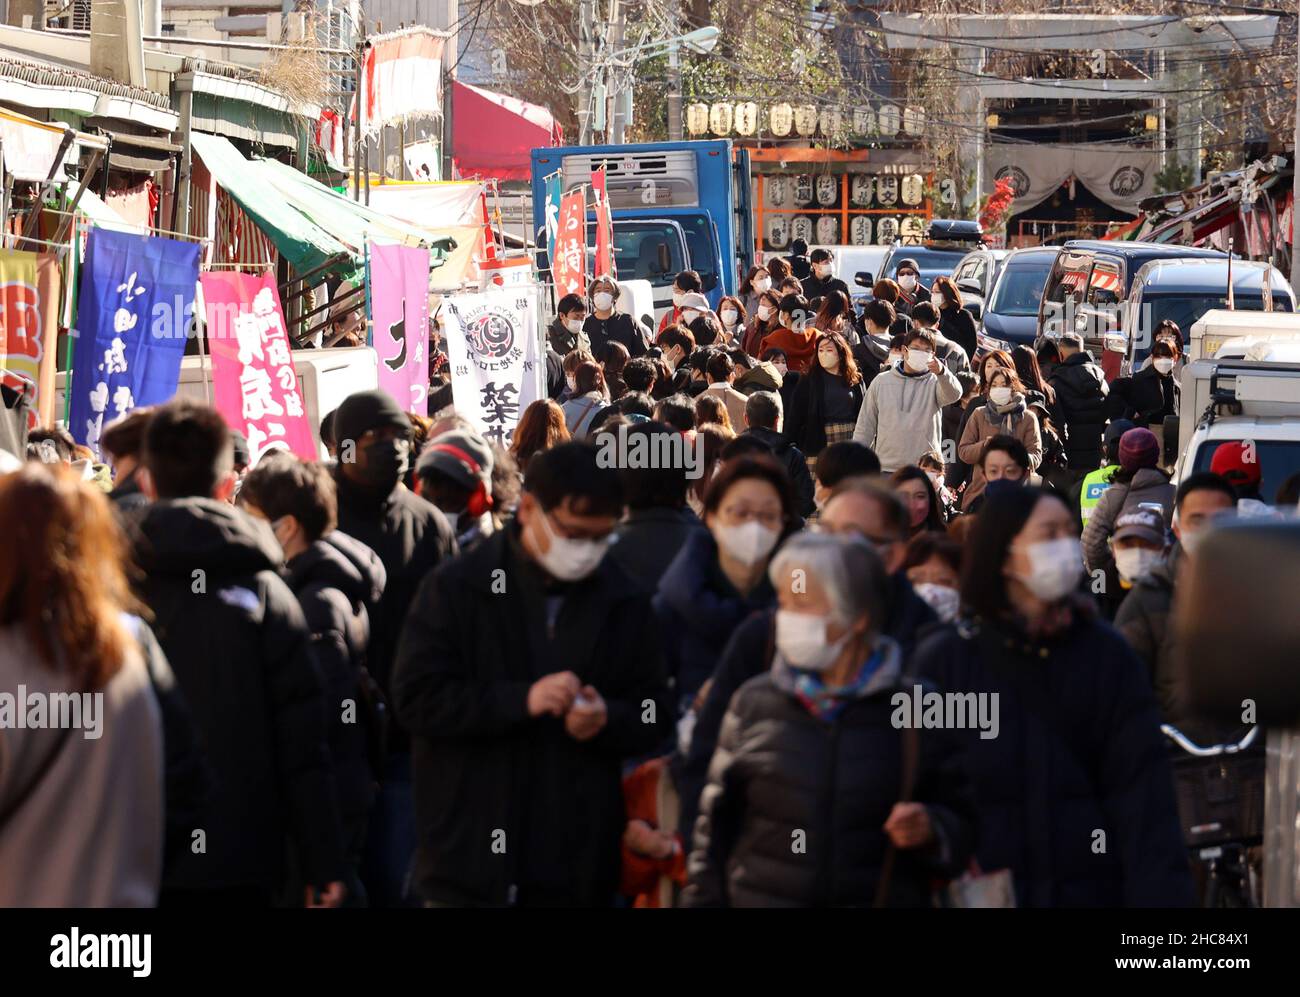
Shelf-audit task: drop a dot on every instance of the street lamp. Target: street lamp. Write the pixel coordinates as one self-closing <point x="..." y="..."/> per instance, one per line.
<point x="701" y="41"/>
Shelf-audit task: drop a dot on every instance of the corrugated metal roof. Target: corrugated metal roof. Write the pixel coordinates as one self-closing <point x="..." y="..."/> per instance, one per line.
<point x="46" y="75"/>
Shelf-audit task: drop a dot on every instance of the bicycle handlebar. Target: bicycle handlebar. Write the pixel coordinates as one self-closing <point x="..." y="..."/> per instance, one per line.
<point x="1192" y="748"/>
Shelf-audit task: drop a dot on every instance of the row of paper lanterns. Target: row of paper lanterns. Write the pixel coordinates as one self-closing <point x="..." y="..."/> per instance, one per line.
<point x="780" y="230"/>
<point x="804" y="120"/>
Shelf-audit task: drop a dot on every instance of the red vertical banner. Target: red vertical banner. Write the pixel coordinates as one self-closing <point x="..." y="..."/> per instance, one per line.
<point x="569" y="268"/>
<point x="605" y="265"/>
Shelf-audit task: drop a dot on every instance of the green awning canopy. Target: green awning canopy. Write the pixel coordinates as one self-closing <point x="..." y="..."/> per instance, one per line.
<point x="308" y="222"/>
<point x="299" y="240"/>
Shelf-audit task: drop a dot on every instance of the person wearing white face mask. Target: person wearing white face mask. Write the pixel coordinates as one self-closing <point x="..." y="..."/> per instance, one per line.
<point x="756" y="283"/>
<point x="524" y="673"/>
<point x="607" y="323"/>
<point x="1147" y="619"/>
<point x="812" y="743"/>
<point x="686" y="283"/>
<point x="766" y="319"/>
<point x="1152" y="394"/>
<point x="1080" y="750"/>
<point x="900" y="418"/>
<point x="719" y="577"/>
<point x="732" y="315"/>
<point x="908" y="277"/>
<point x="565" y="332"/>
<point x="822" y="281"/>
<point x="1003" y="414"/>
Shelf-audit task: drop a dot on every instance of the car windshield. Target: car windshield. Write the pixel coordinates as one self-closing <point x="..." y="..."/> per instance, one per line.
<point x="699" y="240"/>
<point x="636" y="251"/>
<point x="933" y="262"/>
<point x="1278" y="460"/>
<point x="1187" y="309"/>
<point x="1020" y="289"/>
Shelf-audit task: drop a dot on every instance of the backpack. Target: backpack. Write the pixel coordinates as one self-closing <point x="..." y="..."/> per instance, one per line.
<point x="1054" y="457"/>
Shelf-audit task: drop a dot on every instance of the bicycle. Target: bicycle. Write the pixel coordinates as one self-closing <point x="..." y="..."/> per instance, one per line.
<point x="1220" y="792"/>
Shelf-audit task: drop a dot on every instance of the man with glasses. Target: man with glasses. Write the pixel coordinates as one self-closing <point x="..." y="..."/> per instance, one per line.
<point x="908" y="277"/>
<point x="528" y="670"/>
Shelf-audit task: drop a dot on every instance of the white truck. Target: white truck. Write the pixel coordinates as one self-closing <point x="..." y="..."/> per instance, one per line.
<point x="1253" y="402"/>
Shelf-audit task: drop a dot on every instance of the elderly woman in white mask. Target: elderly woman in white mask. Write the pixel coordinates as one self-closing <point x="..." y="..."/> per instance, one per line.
<point x="820" y="792"/>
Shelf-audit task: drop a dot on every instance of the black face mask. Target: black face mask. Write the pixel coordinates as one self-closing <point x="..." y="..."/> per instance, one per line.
<point x="386" y="462"/>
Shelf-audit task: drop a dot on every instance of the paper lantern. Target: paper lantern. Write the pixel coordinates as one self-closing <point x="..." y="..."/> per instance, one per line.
<point x="778" y="231"/>
<point x="828" y="230"/>
<point x="889" y="120"/>
<point x="913" y="190"/>
<point x="887" y="191"/>
<point x="862" y="190"/>
<point x="860" y="230"/>
<point x="720" y="119"/>
<point x="828" y="190"/>
<point x="914" y="120"/>
<point x="745" y="118"/>
<point x="886" y="230"/>
<point x="832" y="122"/>
<point x="778" y="191"/>
<point x="803" y="189"/>
<point x="802" y="228"/>
<point x="864" y="120"/>
<point x="912" y="229"/>
<point x="697" y="119"/>
<point x="780" y="118"/>
<point x="805" y="119"/>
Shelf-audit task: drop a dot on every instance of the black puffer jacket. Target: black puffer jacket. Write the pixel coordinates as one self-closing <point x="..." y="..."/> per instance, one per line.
<point x="782" y="776"/>
<point x="1075" y="794"/>
<point x="805" y="420"/>
<point x="336" y="580"/>
<point x="486" y="772"/>
<point x="1080" y="387"/>
<point x="238" y="645"/>
<point x="793" y="459"/>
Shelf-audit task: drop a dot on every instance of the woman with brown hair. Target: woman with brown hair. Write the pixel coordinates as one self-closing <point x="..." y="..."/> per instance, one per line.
<point x="589" y="397"/>
<point x="1002" y="413"/>
<point x="540" y="428"/>
<point x="756" y="282"/>
<point x="824" y="408"/>
<point x="765" y="318"/>
<point x="955" y="322"/>
<point x="711" y="410"/>
<point x="779" y="270"/>
<point x="835" y="313"/>
<point x="81" y="794"/>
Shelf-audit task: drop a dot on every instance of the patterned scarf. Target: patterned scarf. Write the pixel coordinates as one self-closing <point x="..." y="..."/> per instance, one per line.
<point x="824" y="701"/>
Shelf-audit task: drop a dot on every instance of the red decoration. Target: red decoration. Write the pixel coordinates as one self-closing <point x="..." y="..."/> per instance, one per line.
<point x="995" y="209"/>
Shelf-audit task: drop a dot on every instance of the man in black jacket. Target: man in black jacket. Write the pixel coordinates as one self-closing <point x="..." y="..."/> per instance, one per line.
<point x="238" y="644"/>
<point x="336" y="580"/>
<point x="529" y="669"/>
<point x="1081" y="389"/>
<point x="763" y="415"/>
<point x="411" y="538"/>
<point x="821" y="281"/>
<point x="658" y="522"/>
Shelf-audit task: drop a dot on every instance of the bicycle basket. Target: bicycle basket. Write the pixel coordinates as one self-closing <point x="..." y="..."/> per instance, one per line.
<point x="1221" y="799"/>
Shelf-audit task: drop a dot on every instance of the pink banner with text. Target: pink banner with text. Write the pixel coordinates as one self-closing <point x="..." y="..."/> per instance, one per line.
<point x="399" y="316"/>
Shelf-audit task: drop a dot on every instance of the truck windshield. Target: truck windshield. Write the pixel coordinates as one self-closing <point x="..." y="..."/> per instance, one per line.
<point x="1278" y="460"/>
<point x="637" y="250"/>
<point x="1020" y="290"/>
<point x="1187" y="309"/>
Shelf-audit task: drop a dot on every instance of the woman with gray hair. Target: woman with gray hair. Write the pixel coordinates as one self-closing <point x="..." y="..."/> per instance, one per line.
<point x="820" y="792"/>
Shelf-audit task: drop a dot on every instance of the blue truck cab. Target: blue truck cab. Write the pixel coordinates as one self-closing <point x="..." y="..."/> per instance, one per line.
<point x="676" y="206"/>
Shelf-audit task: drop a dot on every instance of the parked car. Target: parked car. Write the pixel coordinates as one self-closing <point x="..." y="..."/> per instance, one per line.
<point x="1088" y="287"/>
<point x="1011" y="315"/>
<point x="975" y="275"/>
<point x="1183" y="291"/>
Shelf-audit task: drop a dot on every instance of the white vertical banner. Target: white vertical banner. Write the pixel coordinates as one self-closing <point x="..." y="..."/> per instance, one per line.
<point x="492" y="345"/>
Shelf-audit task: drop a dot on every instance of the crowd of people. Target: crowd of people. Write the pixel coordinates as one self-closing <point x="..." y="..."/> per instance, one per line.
<point x="435" y="671"/>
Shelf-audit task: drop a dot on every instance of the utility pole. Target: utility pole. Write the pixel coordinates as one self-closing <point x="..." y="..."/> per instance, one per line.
<point x="615" y="81"/>
<point x="586" y="67"/>
<point x="450" y="56"/>
<point x="675" y="82"/>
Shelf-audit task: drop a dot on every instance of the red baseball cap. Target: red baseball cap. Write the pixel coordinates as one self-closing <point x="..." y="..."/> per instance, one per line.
<point x="1230" y="463"/>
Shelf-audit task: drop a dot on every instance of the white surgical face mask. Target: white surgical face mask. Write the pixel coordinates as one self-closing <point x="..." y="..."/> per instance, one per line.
<point x="907" y="282"/>
<point x="730" y="317"/>
<point x="1055" y="567"/>
<point x="574" y="325"/>
<point x="569" y="559"/>
<point x="822" y="270"/>
<point x="677" y="298"/>
<point x="1135" y="562"/>
<point x="918" y="360"/>
<point x="762" y="284"/>
<point x="781" y="367"/>
<point x="999" y="395"/>
<point x="1164" y="365"/>
<point x="801" y="641"/>
<point x="943" y="599"/>
<point x="603" y="301"/>
<point x="765" y="312"/>
<point x="830" y="359"/>
<point x="749" y="543"/>
<point x="689" y="315"/>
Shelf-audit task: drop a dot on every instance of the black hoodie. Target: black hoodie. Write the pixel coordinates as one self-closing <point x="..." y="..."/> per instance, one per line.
<point x="239" y="647"/>
<point x="338" y="580"/>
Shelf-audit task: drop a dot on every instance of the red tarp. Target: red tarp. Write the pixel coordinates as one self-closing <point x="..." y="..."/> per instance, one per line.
<point x="492" y="133"/>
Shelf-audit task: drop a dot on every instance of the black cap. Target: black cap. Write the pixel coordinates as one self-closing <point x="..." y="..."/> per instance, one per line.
<point x="239" y="444"/>
<point x="364" y="411"/>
